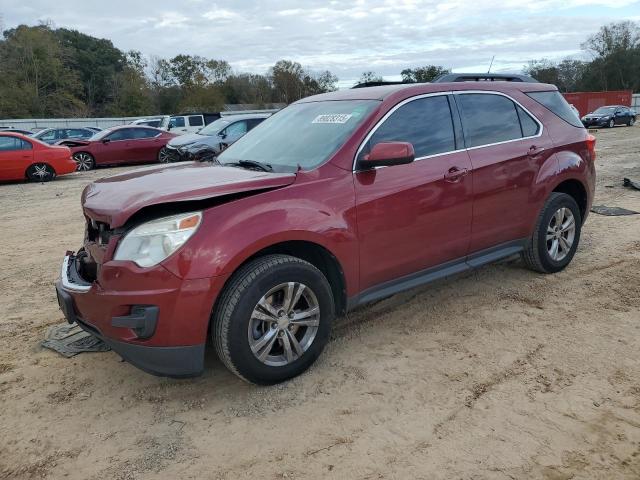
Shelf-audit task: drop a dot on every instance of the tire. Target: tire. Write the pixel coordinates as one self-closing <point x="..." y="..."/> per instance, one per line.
<point x="84" y="161"/>
<point x="631" y="122"/>
<point x="612" y="123"/>
<point x="163" y="155"/>
<point x="236" y="329"/>
<point x="40" y="172"/>
<point x="539" y="253"/>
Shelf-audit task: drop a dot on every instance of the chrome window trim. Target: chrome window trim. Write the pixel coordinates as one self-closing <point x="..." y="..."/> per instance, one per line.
<point x="491" y="92"/>
<point x="436" y="94"/>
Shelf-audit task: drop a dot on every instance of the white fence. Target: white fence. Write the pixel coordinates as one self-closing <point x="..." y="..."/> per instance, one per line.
<point x="635" y="102"/>
<point x="29" y="123"/>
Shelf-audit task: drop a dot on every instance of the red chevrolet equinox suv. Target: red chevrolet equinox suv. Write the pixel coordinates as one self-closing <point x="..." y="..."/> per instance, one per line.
<point x="337" y="200"/>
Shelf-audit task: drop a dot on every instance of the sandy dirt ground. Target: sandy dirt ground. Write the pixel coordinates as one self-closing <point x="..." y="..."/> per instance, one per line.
<point x="498" y="374"/>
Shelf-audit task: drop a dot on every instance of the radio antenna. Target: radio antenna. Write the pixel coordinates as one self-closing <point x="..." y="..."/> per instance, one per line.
<point x="491" y="64"/>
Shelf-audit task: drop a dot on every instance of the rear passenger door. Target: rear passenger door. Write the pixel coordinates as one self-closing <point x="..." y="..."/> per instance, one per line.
<point x="415" y="216"/>
<point x="145" y="145"/>
<point x="507" y="147"/>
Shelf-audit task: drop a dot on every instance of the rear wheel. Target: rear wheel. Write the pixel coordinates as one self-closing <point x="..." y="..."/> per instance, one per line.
<point x="556" y="236"/>
<point x="273" y="319"/>
<point x="84" y="161"/>
<point x="41" y="172"/>
<point x="163" y="155"/>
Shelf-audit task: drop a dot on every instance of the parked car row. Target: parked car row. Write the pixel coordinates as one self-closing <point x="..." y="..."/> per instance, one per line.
<point x="128" y="144"/>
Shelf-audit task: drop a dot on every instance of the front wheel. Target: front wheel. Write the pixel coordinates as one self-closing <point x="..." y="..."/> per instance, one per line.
<point x="41" y="172"/>
<point x="273" y="319"/>
<point x="631" y="121"/>
<point x="556" y="236"/>
<point x="612" y="123"/>
<point x="84" y="161"/>
<point x="164" y="156"/>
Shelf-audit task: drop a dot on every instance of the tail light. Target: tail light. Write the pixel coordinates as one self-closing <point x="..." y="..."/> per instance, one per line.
<point x="591" y="146"/>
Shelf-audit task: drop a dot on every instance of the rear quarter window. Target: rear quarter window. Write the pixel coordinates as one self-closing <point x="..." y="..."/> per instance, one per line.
<point x="554" y="101"/>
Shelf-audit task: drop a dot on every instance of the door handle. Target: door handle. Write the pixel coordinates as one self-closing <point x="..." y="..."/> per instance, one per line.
<point x="535" y="151"/>
<point x="455" y="174"/>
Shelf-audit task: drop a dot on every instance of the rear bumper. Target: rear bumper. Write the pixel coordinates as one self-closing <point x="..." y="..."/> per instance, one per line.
<point x="153" y="319"/>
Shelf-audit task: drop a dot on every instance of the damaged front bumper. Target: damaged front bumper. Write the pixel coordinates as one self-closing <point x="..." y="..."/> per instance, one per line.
<point x="153" y="319"/>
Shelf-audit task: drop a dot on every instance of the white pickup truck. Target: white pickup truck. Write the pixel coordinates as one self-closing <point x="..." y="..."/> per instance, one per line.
<point x="179" y="124"/>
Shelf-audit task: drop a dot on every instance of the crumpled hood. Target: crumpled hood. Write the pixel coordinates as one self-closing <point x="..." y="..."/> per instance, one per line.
<point x="113" y="200"/>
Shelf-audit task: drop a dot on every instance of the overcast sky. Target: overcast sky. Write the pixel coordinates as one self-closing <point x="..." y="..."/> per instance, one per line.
<point x="384" y="36"/>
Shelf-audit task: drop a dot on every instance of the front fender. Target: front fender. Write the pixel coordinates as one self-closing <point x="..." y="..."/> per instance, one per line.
<point x="320" y="211"/>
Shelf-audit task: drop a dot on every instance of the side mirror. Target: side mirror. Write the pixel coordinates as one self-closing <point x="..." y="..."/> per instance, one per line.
<point x="169" y="127"/>
<point x="106" y="140"/>
<point x="387" y="154"/>
<point x="222" y="135"/>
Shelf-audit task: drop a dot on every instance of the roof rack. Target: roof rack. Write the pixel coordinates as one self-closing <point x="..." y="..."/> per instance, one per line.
<point x="378" y="83"/>
<point x="484" y="77"/>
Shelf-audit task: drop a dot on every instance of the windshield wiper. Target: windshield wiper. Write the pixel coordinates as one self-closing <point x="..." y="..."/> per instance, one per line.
<point x="252" y="163"/>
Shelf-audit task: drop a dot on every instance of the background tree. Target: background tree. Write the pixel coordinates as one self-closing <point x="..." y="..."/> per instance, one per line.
<point x="368" y="77"/>
<point x="423" y="74"/>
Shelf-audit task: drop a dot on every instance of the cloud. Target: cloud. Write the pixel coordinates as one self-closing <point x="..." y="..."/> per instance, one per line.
<point x="347" y="38"/>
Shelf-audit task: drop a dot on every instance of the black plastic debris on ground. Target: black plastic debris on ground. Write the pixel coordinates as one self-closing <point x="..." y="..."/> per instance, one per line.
<point x="70" y="340"/>
<point x="627" y="182"/>
<point x="612" y="211"/>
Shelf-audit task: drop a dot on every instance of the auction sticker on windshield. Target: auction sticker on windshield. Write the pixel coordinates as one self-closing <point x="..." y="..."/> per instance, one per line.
<point x="332" y="118"/>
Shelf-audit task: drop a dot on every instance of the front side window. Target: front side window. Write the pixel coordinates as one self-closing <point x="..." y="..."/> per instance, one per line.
<point x="47" y="136"/>
<point x="488" y="119"/>
<point x="426" y="123"/>
<point x="10" y="144"/>
<point x="303" y="134"/>
<point x="176" y="122"/>
<point x="122" y="134"/>
<point x="236" y="129"/>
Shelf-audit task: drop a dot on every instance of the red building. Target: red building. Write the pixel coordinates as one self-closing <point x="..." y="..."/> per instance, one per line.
<point x="587" y="102"/>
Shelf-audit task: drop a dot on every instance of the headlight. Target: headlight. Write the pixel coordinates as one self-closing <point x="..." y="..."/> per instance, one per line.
<point x="150" y="243"/>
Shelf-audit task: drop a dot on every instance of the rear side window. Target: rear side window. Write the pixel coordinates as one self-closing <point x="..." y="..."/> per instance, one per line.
<point x="530" y="127"/>
<point x="555" y="102"/>
<point x="144" y="133"/>
<point x="488" y="119"/>
<point x="426" y="123"/>
<point x="196" y="121"/>
<point x="254" y="122"/>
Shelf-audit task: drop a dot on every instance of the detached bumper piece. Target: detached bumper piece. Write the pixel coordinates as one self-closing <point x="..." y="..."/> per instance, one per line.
<point x="178" y="362"/>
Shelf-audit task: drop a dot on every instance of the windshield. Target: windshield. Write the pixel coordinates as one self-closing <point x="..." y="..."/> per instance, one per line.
<point x="303" y="134"/>
<point x="214" y="127"/>
<point x="605" y="110"/>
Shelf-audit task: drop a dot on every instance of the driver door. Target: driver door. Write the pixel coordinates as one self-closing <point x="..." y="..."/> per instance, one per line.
<point x="416" y="216"/>
<point x="116" y="147"/>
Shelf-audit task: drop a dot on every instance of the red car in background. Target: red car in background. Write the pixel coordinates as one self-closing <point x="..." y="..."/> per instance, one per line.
<point x="127" y="144"/>
<point x="24" y="157"/>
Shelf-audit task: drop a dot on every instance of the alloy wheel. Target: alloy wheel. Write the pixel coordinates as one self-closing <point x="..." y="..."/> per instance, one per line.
<point x="561" y="233"/>
<point x="284" y="324"/>
<point x="612" y="123"/>
<point x="163" y="156"/>
<point x="83" y="161"/>
<point x="41" y="172"/>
